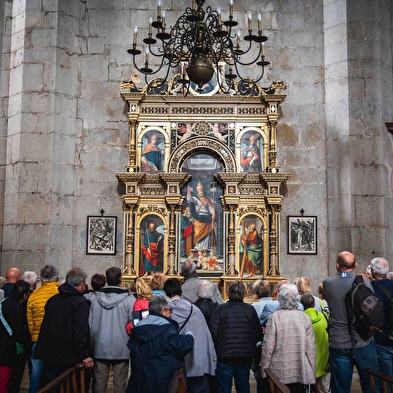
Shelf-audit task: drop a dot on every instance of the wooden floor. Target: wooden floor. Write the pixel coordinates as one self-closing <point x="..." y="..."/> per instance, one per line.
<point x="355" y="384"/>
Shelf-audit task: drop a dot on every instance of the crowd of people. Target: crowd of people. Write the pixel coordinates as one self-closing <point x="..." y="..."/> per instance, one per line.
<point x="171" y="335"/>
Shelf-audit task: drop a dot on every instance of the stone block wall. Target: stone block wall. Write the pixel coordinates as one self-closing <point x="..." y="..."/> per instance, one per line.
<point x="64" y="130"/>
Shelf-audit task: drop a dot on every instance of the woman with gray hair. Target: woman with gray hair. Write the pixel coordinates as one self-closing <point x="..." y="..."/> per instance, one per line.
<point x="205" y="300"/>
<point x="288" y="346"/>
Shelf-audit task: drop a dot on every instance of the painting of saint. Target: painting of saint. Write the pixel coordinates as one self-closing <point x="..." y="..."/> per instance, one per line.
<point x="203" y="214"/>
<point x="250" y="247"/>
<point x="201" y="224"/>
<point x="153" y="152"/>
<point x="250" y="153"/>
<point x="152" y="246"/>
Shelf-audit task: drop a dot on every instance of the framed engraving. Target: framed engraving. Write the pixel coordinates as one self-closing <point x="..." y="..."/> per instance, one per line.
<point x="302" y="235"/>
<point x="101" y="235"/>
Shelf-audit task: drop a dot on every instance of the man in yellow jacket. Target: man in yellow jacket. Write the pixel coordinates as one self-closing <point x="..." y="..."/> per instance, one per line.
<point x="35" y="314"/>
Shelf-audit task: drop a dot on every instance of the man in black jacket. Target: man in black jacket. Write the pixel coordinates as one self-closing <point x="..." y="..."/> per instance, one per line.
<point x="64" y="335"/>
<point x="236" y="330"/>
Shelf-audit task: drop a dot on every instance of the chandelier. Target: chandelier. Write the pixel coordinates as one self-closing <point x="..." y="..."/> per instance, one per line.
<point x="202" y="44"/>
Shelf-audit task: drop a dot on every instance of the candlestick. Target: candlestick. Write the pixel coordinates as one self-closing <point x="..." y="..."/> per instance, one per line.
<point x="135" y="34"/>
<point x="249" y="21"/>
<point x="259" y="22"/>
<point x="158" y="9"/>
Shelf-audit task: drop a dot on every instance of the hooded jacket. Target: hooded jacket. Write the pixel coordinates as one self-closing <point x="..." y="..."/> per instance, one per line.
<point x="202" y="360"/>
<point x="64" y="333"/>
<point x="321" y="336"/>
<point x="157" y="350"/>
<point x="110" y="311"/>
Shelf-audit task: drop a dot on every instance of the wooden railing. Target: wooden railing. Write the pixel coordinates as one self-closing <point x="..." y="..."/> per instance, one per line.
<point x="276" y="386"/>
<point x="71" y="381"/>
<point x="386" y="380"/>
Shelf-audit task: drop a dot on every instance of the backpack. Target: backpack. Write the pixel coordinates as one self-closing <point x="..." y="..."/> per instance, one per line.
<point x="364" y="309"/>
<point x="390" y="310"/>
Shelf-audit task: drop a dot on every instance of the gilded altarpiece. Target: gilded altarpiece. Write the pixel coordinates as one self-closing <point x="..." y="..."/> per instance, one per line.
<point x="202" y="183"/>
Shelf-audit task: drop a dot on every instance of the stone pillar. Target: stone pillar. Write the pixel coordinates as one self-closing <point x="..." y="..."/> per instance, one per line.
<point x="358" y="61"/>
<point x="40" y="134"/>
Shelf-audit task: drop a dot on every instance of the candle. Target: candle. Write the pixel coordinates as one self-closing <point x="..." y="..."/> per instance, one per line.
<point x="150" y="22"/>
<point x="263" y="49"/>
<point x="158" y="9"/>
<point x="238" y="38"/>
<point x="249" y="21"/>
<point x="146" y="55"/>
<point x="219" y="15"/>
<point x="259" y="22"/>
<point x="231" y="8"/>
<point x="135" y="34"/>
<point x="163" y="20"/>
<point x="193" y="6"/>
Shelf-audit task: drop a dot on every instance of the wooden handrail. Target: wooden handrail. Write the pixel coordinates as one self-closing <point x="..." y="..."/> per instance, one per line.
<point x="276" y="386"/>
<point x="68" y="381"/>
<point x="384" y="378"/>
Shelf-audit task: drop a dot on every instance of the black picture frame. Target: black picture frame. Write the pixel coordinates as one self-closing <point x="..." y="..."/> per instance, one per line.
<point x="101" y="235"/>
<point x="302" y="235"/>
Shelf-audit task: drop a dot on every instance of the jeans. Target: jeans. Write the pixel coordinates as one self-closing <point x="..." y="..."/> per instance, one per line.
<point x="241" y="374"/>
<point x="37" y="372"/>
<point x="342" y="362"/>
<point x="385" y="360"/>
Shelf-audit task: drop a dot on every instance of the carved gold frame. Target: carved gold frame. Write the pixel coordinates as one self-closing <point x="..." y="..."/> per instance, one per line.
<point x="244" y="193"/>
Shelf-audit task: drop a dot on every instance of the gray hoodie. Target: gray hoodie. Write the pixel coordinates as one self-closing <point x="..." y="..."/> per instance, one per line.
<point x="110" y="311"/>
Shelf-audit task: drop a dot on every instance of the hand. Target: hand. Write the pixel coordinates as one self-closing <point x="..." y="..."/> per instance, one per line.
<point x="88" y="362"/>
<point x="129" y="327"/>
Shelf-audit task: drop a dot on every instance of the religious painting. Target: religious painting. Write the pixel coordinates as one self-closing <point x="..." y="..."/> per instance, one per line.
<point x="152" y="245"/>
<point x="201" y="221"/>
<point x="101" y="235"/>
<point x="153" y="152"/>
<point x="251" y="246"/>
<point x="302" y="235"/>
<point x="251" y="152"/>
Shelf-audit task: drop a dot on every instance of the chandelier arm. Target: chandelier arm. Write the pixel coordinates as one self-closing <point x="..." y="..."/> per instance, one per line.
<point x="245" y="79"/>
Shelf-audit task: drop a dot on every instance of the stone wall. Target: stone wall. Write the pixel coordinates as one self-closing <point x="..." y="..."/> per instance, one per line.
<point x="64" y="130"/>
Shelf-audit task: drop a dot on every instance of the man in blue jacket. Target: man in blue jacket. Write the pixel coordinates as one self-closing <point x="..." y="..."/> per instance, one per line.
<point x="157" y="349"/>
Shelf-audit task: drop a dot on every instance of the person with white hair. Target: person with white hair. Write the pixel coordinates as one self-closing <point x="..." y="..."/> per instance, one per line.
<point x="205" y="300"/>
<point x="383" y="288"/>
<point x="191" y="280"/>
<point x="31" y="278"/>
<point x="289" y="343"/>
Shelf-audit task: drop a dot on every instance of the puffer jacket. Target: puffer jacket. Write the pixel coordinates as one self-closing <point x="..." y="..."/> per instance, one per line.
<point x="36" y="306"/>
<point x="110" y="311"/>
<point x="236" y="330"/>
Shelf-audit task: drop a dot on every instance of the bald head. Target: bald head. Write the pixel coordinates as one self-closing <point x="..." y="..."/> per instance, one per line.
<point x="345" y="261"/>
<point x="13" y="274"/>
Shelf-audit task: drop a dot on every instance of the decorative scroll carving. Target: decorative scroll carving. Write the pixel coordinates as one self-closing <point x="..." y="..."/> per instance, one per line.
<point x="152" y="209"/>
<point x="252" y="209"/>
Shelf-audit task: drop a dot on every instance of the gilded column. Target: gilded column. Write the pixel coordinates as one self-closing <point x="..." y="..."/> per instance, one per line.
<point x="130" y="244"/>
<point x="171" y="243"/>
<point x="273" y="271"/>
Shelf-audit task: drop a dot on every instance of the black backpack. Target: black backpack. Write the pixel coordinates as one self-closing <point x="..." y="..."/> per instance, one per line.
<point x="364" y="309"/>
<point x="390" y="308"/>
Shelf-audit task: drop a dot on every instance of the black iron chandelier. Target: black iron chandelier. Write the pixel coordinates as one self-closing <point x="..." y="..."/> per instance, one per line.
<point x="202" y="45"/>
